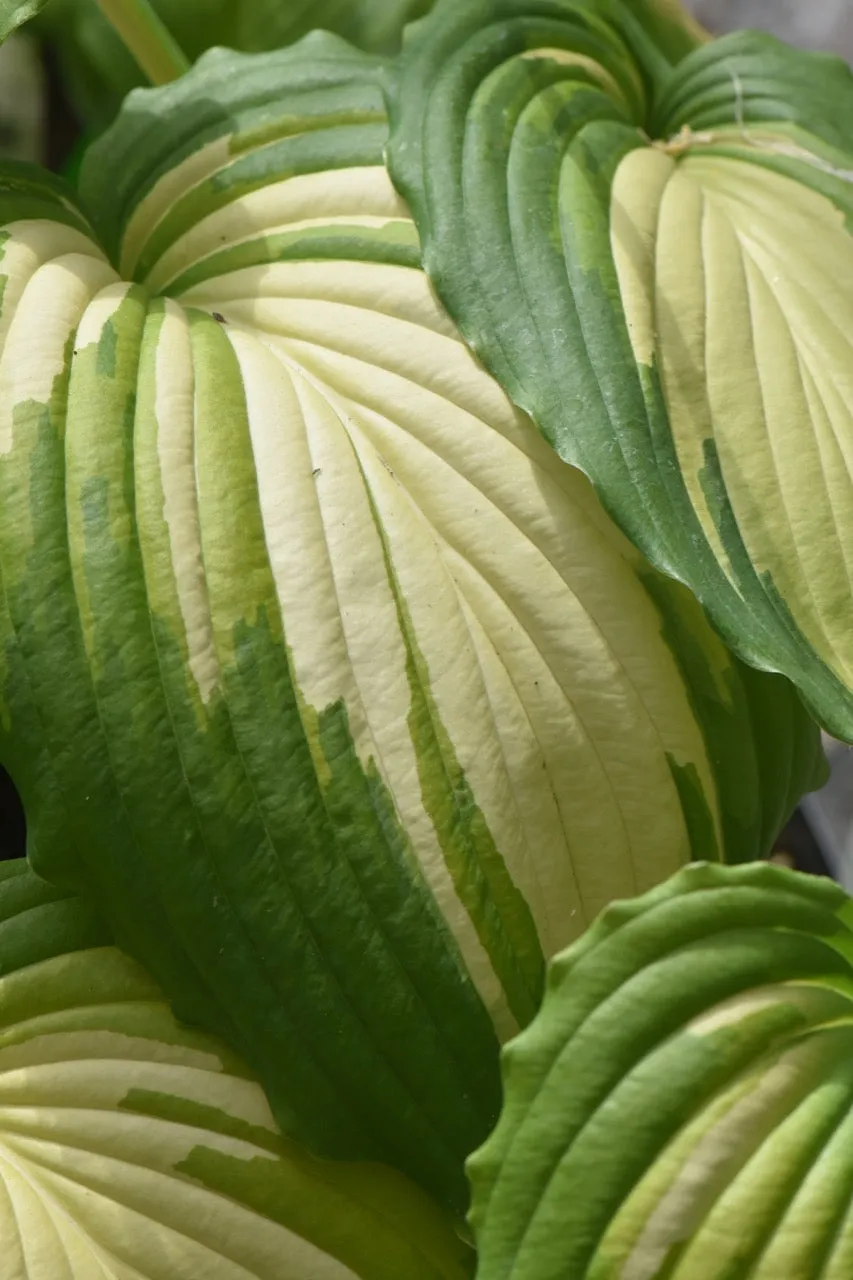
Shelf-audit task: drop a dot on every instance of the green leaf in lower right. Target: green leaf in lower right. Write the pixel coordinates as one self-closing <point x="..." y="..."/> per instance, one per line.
<point x="682" y="1107"/>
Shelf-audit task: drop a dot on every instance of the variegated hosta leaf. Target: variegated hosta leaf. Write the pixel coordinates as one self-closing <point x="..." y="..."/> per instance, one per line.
<point x="652" y="252"/>
<point x="353" y="700"/>
<point x="682" y="1104"/>
<point x="134" y="1149"/>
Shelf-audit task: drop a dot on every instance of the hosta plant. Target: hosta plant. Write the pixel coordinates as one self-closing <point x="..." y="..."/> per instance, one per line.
<point x="332" y="687"/>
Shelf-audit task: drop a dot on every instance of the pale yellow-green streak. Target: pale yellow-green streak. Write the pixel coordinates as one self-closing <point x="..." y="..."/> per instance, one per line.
<point x="359" y="196"/>
<point x="174" y="408"/>
<point x="174" y="184"/>
<point x="35" y="350"/>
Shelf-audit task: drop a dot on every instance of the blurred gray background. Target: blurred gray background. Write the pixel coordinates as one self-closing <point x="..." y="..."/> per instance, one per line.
<point x="814" y="24"/>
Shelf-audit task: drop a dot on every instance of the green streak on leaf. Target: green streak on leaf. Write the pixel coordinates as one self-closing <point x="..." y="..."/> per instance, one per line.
<point x="714" y="694"/>
<point x="811" y="677"/>
<point x="716" y="495"/>
<point x="498" y="911"/>
<point x="106" y="363"/>
<point x="148" y="1017"/>
<point x="331" y="144"/>
<point x="420" y="1244"/>
<point x="199" y="1115"/>
<point x="104" y="382"/>
<point x="696" y="810"/>
<point x="327" y="148"/>
<point x="4" y="280"/>
<point x="362" y="106"/>
<point x="394" y="243"/>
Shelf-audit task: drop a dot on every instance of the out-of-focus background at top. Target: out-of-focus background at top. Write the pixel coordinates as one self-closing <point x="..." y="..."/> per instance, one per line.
<point x="59" y="85"/>
<point x="812" y="24"/>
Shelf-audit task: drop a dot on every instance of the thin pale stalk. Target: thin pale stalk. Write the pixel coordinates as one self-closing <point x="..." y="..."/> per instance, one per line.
<point x="143" y="32"/>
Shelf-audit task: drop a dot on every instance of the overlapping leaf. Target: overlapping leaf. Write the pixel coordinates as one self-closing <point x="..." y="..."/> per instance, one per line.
<point x="355" y="704"/>
<point x="97" y="71"/>
<point x="682" y="1105"/>
<point x="650" y="247"/>
<point x="134" y="1149"/>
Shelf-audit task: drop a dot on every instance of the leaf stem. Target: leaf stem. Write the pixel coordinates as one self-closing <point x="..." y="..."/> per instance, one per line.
<point x="145" y="35"/>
